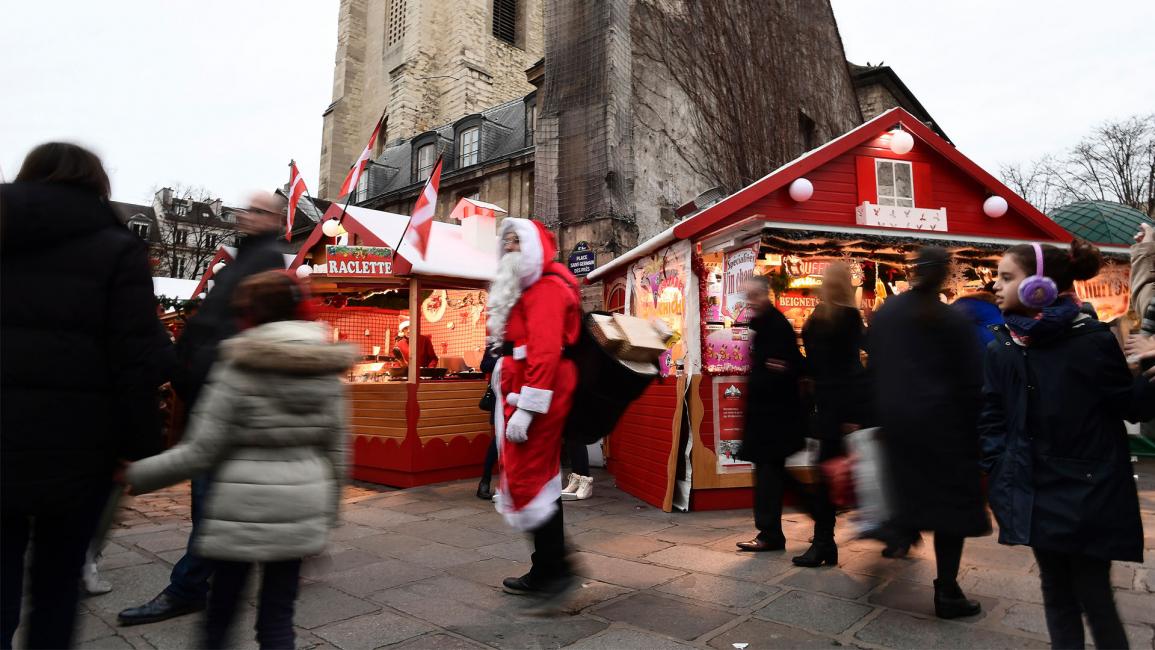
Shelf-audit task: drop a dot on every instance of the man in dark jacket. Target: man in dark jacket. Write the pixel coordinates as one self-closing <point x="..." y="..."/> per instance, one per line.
<point x="928" y="381"/>
<point x="197" y="349"/>
<point x="774" y="424"/>
<point x="78" y="336"/>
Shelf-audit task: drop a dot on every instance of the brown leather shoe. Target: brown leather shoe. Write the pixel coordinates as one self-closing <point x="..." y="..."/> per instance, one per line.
<point x="759" y="546"/>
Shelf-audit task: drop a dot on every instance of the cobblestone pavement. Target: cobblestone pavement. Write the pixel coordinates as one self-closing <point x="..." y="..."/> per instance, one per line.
<point x="422" y="568"/>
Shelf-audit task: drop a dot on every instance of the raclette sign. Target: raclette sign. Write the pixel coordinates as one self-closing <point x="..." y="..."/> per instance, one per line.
<point x="358" y="261"/>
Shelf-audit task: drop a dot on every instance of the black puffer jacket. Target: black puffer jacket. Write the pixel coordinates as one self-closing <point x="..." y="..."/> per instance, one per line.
<point x="1055" y="445"/>
<point x="79" y="342"/>
<point x="774" y="423"/>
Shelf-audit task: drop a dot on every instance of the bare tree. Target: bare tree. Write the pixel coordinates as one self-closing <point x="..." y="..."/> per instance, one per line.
<point x="190" y="230"/>
<point x="1115" y="162"/>
<point x="735" y="64"/>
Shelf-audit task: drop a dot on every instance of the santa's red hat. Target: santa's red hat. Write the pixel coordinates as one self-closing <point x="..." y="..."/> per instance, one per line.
<point x="538" y="247"/>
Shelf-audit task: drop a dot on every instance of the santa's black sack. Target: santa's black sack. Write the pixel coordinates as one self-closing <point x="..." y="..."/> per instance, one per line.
<point x="606" y="387"/>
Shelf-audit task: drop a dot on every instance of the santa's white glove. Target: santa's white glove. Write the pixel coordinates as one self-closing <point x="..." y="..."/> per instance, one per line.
<point x="517" y="429"/>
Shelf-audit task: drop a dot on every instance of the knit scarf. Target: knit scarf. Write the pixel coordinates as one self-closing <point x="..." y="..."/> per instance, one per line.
<point x="1049" y="322"/>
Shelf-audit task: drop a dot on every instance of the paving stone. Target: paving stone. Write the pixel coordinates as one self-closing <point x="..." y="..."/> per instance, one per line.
<point x="383" y="574"/>
<point x="90" y="627"/>
<point x="457" y="513"/>
<point x="1136" y="607"/>
<point x="555" y="633"/>
<point x="490" y="571"/>
<point x="322" y="565"/>
<point x="919" y="598"/>
<point x="873" y="564"/>
<point x="671" y="617"/>
<point x="725" y="592"/>
<point x="319" y="605"/>
<point x="348" y="531"/>
<point x="1018" y="558"/>
<point x="440" y="556"/>
<point x="388" y="544"/>
<point x="515" y="549"/>
<point x="748" y="566"/>
<point x="378" y="517"/>
<point x="832" y="581"/>
<point x="187" y="631"/>
<point x="128" y="535"/>
<point x="618" y="544"/>
<point x="624" y="638"/>
<point x="801" y="609"/>
<point x="685" y="534"/>
<point x="491" y="521"/>
<point x="1145" y="580"/>
<point x="454" y="534"/>
<point x="1030" y="618"/>
<point x="1002" y="583"/>
<point x="589" y="593"/>
<point x="131" y="586"/>
<point x="420" y="507"/>
<point x="439" y="641"/>
<point x="107" y="643"/>
<point x="898" y="630"/>
<point x="1122" y="577"/>
<point x="121" y="560"/>
<point x="625" y="573"/>
<point x="372" y="631"/>
<point x="764" y="634"/>
<point x="449" y="601"/>
<point x="168" y="540"/>
<point x="626" y="524"/>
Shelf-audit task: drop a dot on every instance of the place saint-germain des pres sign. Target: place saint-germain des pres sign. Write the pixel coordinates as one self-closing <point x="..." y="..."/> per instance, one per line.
<point x="359" y="261"/>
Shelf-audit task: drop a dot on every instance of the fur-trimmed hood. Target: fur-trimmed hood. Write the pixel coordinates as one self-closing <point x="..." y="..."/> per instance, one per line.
<point x="291" y="347"/>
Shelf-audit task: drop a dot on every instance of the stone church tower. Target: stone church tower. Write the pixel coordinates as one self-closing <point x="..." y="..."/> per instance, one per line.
<point x="424" y="63"/>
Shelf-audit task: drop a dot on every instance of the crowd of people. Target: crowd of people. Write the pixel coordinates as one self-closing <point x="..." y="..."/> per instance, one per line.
<point x="1017" y="383"/>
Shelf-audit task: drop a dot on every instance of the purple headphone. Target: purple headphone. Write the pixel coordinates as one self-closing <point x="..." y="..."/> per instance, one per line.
<point x="1038" y="291"/>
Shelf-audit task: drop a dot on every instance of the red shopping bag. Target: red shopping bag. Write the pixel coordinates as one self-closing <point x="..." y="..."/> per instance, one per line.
<point x="839" y="475"/>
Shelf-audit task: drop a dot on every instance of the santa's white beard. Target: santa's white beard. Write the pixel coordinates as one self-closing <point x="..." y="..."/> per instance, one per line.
<point x="503" y="295"/>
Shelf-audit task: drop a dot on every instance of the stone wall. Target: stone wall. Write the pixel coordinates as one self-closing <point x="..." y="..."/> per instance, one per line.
<point x="874" y="100"/>
<point x="442" y="65"/>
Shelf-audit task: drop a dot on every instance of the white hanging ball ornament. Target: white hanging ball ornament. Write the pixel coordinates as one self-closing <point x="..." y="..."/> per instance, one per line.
<point x="901" y="142"/>
<point x="801" y="190"/>
<point x="995" y="207"/>
<point x="304" y="271"/>
<point x="331" y="228"/>
<point x="218" y="267"/>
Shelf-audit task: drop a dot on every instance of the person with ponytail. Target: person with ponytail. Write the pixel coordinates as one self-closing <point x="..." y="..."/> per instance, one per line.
<point x="1056" y="392"/>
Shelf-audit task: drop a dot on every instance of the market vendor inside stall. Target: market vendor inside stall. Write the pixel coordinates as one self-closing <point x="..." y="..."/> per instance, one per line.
<point x="426" y="355"/>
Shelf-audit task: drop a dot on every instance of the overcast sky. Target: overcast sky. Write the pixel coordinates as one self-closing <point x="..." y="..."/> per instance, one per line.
<point x="222" y="93"/>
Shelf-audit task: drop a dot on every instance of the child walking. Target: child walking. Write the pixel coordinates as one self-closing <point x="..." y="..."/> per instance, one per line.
<point x="1056" y="392"/>
<point x="270" y="432"/>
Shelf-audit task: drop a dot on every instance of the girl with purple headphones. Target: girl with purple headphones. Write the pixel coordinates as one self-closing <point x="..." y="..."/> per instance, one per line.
<point x="1056" y="391"/>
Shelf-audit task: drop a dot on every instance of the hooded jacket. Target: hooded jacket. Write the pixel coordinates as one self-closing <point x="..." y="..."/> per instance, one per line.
<point x="80" y="344"/>
<point x="270" y="429"/>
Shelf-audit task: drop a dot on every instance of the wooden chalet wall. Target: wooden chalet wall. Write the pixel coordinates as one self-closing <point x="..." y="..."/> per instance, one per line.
<point x="643" y="448"/>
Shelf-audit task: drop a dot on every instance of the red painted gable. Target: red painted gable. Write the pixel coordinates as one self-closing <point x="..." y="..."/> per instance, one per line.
<point x="842" y="172"/>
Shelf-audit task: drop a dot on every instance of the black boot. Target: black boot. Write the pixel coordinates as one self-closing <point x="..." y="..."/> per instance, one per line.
<point x="819" y="553"/>
<point x="161" y="608"/>
<point x="950" y="602"/>
<point x="484" y="492"/>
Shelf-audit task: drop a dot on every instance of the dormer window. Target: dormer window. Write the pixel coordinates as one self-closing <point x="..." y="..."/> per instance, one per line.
<point x="469" y="146"/>
<point x="895" y="182"/>
<point x="181" y="210"/>
<point x="139" y="228"/>
<point x="426" y="158"/>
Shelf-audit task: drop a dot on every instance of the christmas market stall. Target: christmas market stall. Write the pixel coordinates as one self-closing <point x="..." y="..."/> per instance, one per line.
<point x="868" y="198"/>
<point x="419" y="323"/>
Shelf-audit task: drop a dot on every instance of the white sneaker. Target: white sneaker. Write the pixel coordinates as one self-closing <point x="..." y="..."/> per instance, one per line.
<point x="93" y="583"/>
<point x="572" y="486"/>
<point x="585" y="489"/>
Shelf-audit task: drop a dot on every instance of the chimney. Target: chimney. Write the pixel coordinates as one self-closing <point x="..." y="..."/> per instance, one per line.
<point x="165" y="195"/>
<point x="478" y="223"/>
<point x="215" y="206"/>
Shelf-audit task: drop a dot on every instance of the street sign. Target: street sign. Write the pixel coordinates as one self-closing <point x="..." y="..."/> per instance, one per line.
<point x="582" y="261"/>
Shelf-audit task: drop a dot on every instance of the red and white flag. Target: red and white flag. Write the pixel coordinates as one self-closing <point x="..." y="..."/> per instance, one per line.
<point x="296" y="191"/>
<point x="421" y="223"/>
<point x="358" y="167"/>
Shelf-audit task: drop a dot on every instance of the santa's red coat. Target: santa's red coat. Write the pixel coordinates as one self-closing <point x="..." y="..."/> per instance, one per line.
<point x="545" y="320"/>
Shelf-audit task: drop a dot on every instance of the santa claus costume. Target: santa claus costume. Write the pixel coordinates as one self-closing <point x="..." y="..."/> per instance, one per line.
<point x="535" y="315"/>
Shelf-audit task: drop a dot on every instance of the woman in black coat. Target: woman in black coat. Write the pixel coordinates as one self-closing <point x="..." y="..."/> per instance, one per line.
<point x="1056" y="393"/>
<point x="922" y="356"/>
<point x="78" y="336"/>
<point x="833" y="337"/>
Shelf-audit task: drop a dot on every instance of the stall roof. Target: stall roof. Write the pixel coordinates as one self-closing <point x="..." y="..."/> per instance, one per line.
<point x="449" y="254"/>
<point x="716" y="216"/>
<point x="225" y="254"/>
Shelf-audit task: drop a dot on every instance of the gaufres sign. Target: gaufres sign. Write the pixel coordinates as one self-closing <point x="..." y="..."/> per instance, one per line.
<point x="358" y="261"/>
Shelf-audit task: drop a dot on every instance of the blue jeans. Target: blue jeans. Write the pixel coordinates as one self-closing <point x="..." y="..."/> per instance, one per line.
<point x="190" y="576"/>
<point x="279" y="584"/>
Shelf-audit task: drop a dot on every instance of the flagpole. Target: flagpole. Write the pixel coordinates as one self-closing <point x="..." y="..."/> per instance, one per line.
<point x="382" y="122"/>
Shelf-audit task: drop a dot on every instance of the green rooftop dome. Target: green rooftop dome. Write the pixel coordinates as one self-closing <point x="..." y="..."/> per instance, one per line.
<point x="1101" y="222"/>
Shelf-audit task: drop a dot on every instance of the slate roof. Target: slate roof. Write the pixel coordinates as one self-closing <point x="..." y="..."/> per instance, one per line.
<point x="126" y="211"/>
<point x="1102" y="222"/>
<point x="503" y="134"/>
